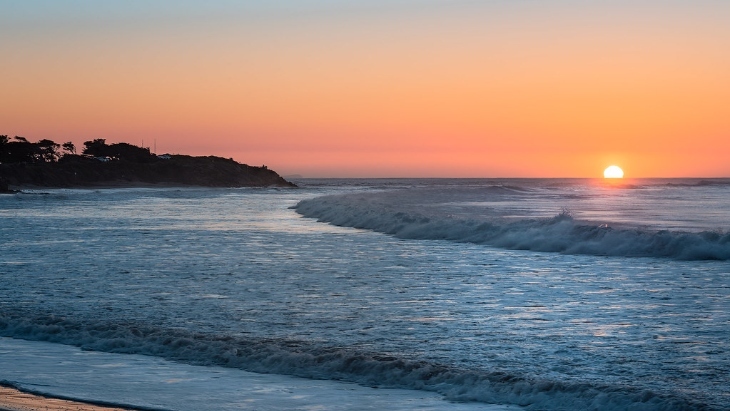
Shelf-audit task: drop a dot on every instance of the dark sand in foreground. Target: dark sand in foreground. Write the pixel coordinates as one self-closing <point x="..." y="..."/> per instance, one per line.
<point x="14" y="400"/>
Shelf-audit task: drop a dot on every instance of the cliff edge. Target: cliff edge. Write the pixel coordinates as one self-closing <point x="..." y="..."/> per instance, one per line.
<point x="85" y="171"/>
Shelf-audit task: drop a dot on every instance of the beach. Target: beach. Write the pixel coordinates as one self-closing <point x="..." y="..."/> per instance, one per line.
<point x="15" y="400"/>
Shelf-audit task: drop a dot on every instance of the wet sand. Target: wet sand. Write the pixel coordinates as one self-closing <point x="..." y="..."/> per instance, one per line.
<point x="14" y="400"/>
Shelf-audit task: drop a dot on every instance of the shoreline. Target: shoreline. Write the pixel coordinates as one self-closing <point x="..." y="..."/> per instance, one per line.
<point x="13" y="399"/>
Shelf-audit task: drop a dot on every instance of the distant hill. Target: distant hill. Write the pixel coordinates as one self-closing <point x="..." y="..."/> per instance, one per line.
<point x="123" y="164"/>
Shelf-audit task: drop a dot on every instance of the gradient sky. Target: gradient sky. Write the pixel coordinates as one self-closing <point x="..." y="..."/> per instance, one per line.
<point x="374" y="88"/>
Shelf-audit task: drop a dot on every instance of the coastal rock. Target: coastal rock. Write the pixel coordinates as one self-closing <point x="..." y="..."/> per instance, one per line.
<point x="4" y="189"/>
<point x="85" y="171"/>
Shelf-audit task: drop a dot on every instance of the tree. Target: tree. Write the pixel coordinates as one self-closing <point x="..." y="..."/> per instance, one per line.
<point x="69" y="147"/>
<point x="46" y="151"/>
<point x="4" y="150"/>
<point x="118" y="151"/>
<point x="96" y="147"/>
<point x="20" y="150"/>
<point x="130" y="152"/>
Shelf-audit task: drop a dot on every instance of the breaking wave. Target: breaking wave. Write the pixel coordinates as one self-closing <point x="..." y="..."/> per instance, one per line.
<point x="309" y="360"/>
<point x="561" y="233"/>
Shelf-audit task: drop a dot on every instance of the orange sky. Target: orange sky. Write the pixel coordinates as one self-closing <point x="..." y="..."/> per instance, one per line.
<point x="382" y="88"/>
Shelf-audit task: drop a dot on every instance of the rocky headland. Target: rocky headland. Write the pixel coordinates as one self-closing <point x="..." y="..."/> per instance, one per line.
<point x="121" y="165"/>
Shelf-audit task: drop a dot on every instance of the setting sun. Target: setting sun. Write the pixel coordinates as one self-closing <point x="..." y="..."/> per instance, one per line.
<point x="613" y="172"/>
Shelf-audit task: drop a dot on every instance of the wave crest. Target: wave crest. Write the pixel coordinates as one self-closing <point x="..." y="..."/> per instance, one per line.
<point x="561" y="233"/>
<point x="307" y="359"/>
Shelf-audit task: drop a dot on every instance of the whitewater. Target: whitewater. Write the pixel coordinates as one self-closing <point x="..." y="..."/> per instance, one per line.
<point x="543" y="294"/>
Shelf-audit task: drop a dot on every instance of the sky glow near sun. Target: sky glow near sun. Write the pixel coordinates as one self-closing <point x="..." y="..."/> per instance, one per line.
<point x="381" y="88"/>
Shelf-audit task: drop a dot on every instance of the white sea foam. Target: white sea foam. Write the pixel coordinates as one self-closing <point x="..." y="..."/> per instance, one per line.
<point x="502" y="218"/>
<point x="149" y="383"/>
<point x="309" y="360"/>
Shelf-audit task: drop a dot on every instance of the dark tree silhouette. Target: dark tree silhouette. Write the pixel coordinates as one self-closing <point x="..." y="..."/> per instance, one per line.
<point x="69" y="147"/>
<point x="46" y="151"/>
<point x="20" y="150"/>
<point x="96" y="147"/>
<point x="4" y="149"/>
<point x="118" y="151"/>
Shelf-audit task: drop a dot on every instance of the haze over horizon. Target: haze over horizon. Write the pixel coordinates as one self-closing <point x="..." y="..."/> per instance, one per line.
<point x="398" y="88"/>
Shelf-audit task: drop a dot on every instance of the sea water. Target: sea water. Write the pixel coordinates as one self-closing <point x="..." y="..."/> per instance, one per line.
<point x="420" y="294"/>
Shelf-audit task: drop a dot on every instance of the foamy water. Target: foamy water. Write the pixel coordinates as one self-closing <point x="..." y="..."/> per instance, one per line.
<point x="681" y="219"/>
<point x="240" y="279"/>
<point x="151" y="383"/>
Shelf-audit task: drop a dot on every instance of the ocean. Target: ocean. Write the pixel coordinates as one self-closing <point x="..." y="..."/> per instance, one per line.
<point x="367" y="294"/>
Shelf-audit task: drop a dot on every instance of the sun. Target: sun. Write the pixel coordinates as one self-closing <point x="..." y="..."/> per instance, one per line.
<point x="613" y="172"/>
